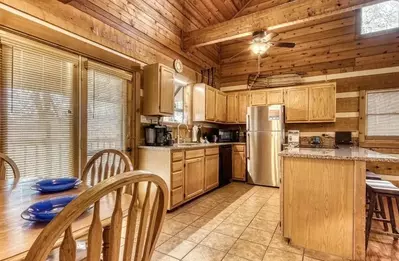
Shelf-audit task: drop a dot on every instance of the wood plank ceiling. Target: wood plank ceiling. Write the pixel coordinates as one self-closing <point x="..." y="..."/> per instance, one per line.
<point x="159" y="24"/>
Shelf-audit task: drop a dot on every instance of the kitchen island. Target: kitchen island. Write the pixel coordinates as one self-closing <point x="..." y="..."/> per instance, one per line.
<point x="323" y="198"/>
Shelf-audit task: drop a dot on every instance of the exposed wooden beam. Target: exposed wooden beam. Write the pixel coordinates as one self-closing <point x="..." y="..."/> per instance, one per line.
<point x="65" y="1"/>
<point x="288" y="14"/>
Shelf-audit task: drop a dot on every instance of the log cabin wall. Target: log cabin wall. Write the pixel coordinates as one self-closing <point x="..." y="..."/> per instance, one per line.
<point x="148" y="31"/>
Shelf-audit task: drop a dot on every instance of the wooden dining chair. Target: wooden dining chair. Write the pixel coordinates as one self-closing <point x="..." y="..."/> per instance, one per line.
<point x="105" y="241"/>
<point x="4" y="159"/>
<point x="105" y="164"/>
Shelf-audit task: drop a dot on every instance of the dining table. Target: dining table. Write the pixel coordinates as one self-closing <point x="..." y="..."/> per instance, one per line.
<point x="17" y="234"/>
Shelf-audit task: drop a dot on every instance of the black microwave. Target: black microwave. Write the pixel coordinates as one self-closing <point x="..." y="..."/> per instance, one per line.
<point x="229" y="135"/>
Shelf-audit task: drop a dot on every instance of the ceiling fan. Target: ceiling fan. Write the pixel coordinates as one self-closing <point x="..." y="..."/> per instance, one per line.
<point x="261" y="42"/>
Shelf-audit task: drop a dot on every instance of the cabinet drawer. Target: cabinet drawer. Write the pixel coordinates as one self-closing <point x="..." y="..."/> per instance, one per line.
<point x="176" y="156"/>
<point x="212" y="151"/>
<point x="194" y="154"/>
<point x="239" y="148"/>
<point x="176" y="166"/>
<point x="177" y="179"/>
<point x="176" y="196"/>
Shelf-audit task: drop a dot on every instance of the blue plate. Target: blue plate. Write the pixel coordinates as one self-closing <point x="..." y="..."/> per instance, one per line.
<point x="56" y="185"/>
<point x="45" y="211"/>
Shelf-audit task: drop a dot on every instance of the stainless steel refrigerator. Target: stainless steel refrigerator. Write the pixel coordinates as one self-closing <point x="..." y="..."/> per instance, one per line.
<point x="265" y="138"/>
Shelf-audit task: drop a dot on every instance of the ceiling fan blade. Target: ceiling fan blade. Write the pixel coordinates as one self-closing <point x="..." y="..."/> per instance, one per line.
<point x="237" y="54"/>
<point x="283" y="44"/>
<point x="269" y="36"/>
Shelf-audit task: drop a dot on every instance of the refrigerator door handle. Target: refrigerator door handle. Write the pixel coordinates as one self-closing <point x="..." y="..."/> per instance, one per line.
<point x="248" y="146"/>
<point x="248" y="120"/>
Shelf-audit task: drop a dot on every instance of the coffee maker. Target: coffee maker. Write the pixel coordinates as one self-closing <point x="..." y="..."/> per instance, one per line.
<point x="160" y="134"/>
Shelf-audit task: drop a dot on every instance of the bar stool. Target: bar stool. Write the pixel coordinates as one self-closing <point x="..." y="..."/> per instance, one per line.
<point x="377" y="190"/>
<point x="379" y="210"/>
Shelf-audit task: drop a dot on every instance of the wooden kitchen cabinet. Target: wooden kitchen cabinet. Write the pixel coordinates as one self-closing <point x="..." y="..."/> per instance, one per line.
<point x="211" y="171"/>
<point x="159" y="90"/>
<point x="232" y="108"/>
<point x="193" y="177"/>
<point x="209" y="104"/>
<point x="258" y="98"/>
<point x="221" y="103"/>
<point x="242" y="103"/>
<point x="275" y="97"/>
<point x="311" y="103"/>
<point x="239" y="163"/>
<point x="296" y="104"/>
<point x="322" y="103"/>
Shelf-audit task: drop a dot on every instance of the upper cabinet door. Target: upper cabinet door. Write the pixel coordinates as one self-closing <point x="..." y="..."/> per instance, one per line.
<point x="275" y="97"/>
<point x="258" y="98"/>
<point x="243" y="102"/>
<point x="297" y="104"/>
<point x="210" y="103"/>
<point x="322" y="103"/>
<point x="232" y="108"/>
<point x="166" y="91"/>
<point x="221" y="107"/>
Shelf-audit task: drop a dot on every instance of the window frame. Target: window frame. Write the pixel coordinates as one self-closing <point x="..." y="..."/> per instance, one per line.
<point x="185" y="118"/>
<point x="373" y="141"/>
<point x="359" y="34"/>
<point x="80" y="93"/>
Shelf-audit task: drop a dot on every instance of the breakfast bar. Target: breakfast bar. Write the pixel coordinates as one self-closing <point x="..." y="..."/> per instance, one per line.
<point x="323" y="198"/>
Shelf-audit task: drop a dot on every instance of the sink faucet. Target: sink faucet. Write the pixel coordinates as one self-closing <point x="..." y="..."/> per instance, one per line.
<point x="178" y="132"/>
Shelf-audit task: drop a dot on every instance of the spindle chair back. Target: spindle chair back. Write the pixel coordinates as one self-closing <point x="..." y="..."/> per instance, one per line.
<point x="104" y="164"/>
<point x="105" y="242"/>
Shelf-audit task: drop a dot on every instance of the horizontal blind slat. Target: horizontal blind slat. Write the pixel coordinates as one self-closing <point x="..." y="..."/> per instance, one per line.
<point x="36" y="126"/>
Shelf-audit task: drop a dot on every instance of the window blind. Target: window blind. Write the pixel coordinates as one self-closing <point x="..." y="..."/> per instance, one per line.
<point x="106" y="109"/>
<point x="37" y="94"/>
<point x="383" y="113"/>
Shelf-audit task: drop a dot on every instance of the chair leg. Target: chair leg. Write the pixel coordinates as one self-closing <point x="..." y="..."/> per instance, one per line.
<point x="392" y="216"/>
<point x="370" y="215"/>
<point x="382" y="211"/>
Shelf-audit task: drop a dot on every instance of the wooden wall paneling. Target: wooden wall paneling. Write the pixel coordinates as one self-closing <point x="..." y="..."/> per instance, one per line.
<point x="258" y="5"/>
<point x="348" y="104"/>
<point x="302" y="59"/>
<point x="369" y="82"/>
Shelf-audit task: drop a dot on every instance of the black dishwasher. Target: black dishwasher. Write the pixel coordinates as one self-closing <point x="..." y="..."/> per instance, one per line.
<point x="225" y="165"/>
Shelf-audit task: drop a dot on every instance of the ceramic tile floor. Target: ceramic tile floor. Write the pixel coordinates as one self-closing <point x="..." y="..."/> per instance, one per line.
<point x="238" y="222"/>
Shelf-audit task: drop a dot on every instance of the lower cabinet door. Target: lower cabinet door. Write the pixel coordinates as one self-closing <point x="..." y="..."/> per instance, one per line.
<point x="211" y="171"/>
<point x="177" y="196"/>
<point x="239" y="166"/>
<point x="193" y="177"/>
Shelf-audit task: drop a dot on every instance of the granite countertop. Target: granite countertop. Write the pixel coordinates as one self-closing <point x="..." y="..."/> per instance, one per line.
<point x="342" y="153"/>
<point x="196" y="146"/>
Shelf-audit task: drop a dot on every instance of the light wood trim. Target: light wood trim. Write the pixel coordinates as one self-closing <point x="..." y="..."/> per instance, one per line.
<point x="136" y="118"/>
<point x="177" y="166"/>
<point x="194" y="153"/>
<point x="5" y="159"/>
<point x="52" y="232"/>
<point x="212" y="151"/>
<point x="176" y="156"/>
<point x="362" y="115"/>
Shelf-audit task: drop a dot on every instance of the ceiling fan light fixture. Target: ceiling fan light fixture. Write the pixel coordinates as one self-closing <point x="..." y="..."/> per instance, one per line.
<point x="259" y="48"/>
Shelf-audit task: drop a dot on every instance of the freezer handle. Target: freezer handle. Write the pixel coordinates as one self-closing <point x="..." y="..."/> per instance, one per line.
<point x="248" y="127"/>
<point x="248" y="146"/>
